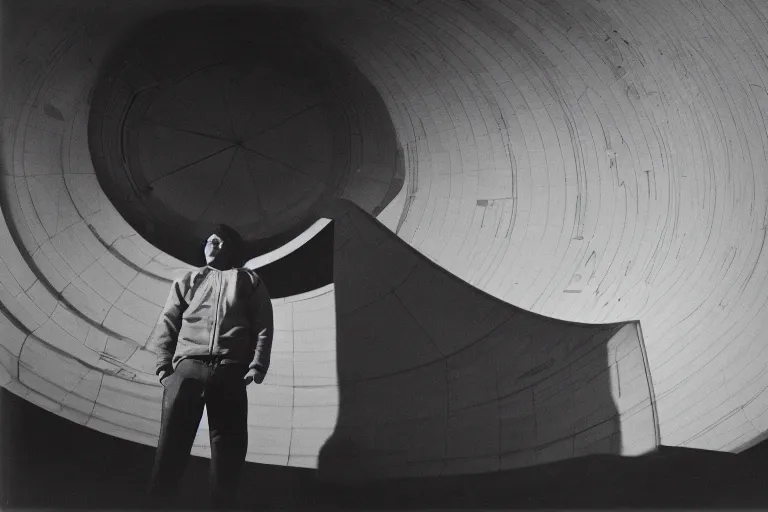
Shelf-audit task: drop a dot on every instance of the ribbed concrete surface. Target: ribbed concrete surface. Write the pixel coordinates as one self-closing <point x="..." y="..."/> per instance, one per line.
<point x="593" y="162"/>
<point x="436" y="377"/>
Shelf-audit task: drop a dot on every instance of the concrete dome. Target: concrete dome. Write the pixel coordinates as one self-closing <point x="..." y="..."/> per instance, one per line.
<point x="237" y="116"/>
<point x="594" y="162"/>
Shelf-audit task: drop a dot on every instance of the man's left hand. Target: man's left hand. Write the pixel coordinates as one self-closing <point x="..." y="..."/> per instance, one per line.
<point x="254" y="375"/>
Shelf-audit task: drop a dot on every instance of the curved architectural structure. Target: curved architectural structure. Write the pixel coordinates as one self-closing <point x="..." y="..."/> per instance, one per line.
<point x="436" y="377"/>
<point x="512" y="185"/>
<point x="245" y="117"/>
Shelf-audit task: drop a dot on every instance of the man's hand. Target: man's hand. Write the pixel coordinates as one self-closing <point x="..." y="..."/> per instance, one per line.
<point x="254" y="375"/>
<point x="163" y="374"/>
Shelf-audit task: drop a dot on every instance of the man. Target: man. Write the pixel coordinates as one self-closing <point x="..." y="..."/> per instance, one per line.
<point x="213" y="338"/>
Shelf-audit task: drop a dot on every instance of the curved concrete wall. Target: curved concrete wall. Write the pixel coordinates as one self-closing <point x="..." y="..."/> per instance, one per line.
<point x="436" y="377"/>
<point x="595" y="163"/>
<point x="81" y="290"/>
<point x="236" y="116"/>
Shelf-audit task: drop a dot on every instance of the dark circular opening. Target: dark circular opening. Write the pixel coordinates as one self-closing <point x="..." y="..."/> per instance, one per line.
<point x="246" y="117"/>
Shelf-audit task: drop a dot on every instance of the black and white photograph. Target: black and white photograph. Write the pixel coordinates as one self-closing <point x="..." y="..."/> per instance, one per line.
<point x="382" y="255"/>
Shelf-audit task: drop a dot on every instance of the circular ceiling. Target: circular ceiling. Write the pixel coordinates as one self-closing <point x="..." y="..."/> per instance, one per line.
<point x="202" y="117"/>
<point x="232" y="144"/>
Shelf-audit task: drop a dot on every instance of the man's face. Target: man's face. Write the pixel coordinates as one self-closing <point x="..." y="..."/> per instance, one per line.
<point x="214" y="247"/>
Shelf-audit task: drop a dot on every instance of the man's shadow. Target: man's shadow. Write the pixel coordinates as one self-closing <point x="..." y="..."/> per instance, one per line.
<point x="437" y="379"/>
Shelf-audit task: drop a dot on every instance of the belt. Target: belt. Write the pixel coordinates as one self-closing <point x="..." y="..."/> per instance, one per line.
<point x="211" y="360"/>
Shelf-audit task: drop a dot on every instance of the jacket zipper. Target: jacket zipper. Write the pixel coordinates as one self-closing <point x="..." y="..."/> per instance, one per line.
<point x="216" y="316"/>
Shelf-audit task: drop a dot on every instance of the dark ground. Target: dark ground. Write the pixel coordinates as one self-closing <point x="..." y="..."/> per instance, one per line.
<point x="51" y="463"/>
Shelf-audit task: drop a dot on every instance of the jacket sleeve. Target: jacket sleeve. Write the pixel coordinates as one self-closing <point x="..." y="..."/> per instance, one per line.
<point x="166" y="333"/>
<point x="262" y="326"/>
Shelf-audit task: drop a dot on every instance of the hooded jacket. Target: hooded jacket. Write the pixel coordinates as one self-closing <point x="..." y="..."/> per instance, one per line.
<point x="224" y="313"/>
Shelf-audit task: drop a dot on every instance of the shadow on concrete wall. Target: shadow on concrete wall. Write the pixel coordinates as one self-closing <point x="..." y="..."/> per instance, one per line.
<point x="439" y="378"/>
<point x="417" y="413"/>
<point x="306" y="269"/>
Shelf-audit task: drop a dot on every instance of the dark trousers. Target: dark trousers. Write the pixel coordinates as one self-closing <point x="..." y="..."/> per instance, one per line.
<point x="219" y="387"/>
